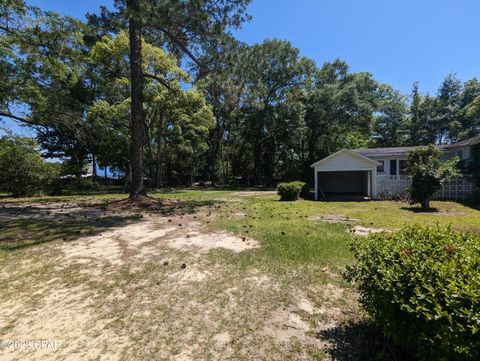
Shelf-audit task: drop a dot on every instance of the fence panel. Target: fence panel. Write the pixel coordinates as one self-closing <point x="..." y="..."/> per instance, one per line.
<point x="395" y="186"/>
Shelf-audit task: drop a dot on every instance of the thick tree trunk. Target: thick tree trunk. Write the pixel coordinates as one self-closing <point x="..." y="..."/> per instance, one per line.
<point x="136" y="122"/>
<point x="426" y="204"/>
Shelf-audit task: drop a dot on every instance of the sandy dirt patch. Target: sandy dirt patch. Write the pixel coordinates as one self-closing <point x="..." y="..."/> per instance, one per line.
<point x="350" y="222"/>
<point x="365" y="231"/>
<point x="334" y="218"/>
<point x="63" y="318"/>
<point x="148" y="236"/>
<point x="255" y="193"/>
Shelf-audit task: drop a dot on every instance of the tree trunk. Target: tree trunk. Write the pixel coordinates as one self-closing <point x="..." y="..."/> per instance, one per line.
<point x="94" y="166"/>
<point x="159" y="158"/>
<point x="217" y="138"/>
<point x="426" y="204"/>
<point x="136" y="121"/>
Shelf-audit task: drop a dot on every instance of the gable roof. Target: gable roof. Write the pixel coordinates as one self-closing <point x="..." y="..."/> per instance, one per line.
<point x="347" y="151"/>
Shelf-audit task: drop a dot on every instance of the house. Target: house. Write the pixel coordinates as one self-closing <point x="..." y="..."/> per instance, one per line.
<point x="381" y="172"/>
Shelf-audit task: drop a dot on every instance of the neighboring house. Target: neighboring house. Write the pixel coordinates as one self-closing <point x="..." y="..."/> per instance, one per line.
<point x="381" y="172"/>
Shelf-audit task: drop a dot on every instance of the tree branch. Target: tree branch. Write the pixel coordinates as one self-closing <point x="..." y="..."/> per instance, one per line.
<point x="182" y="47"/>
<point x="160" y="80"/>
<point x="14" y="117"/>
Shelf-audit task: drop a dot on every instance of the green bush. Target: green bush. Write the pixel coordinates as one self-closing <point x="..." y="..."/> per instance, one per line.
<point x="421" y="285"/>
<point x="290" y="191"/>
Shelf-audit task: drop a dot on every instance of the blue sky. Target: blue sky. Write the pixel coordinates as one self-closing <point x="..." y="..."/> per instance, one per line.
<point x="398" y="41"/>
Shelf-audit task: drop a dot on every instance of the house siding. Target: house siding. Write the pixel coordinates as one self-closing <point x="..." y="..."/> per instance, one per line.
<point x="344" y="162"/>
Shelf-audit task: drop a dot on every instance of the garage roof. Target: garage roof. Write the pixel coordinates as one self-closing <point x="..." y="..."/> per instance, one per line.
<point x="345" y="152"/>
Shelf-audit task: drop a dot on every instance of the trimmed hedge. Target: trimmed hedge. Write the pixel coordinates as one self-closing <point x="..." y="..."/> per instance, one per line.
<point x="290" y="191"/>
<point x="421" y="286"/>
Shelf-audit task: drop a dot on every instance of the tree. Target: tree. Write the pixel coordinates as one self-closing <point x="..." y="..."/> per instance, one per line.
<point x="182" y="26"/>
<point x="175" y="120"/>
<point x="470" y="109"/>
<point x="44" y="78"/>
<point x="339" y="108"/>
<point x="390" y="128"/>
<point x="447" y="109"/>
<point x="22" y="168"/>
<point x="224" y="86"/>
<point x="428" y="173"/>
<point x="136" y="109"/>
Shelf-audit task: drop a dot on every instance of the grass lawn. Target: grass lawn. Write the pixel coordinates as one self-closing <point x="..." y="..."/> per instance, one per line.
<point x="262" y="278"/>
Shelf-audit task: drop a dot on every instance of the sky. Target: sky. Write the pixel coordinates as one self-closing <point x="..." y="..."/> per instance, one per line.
<point x="398" y="41"/>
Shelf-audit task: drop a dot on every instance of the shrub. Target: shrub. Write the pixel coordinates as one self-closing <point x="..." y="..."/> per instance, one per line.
<point x="428" y="173"/>
<point x="290" y="191"/>
<point x="421" y="286"/>
<point x="74" y="186"/>
<point x="23" y="171"/>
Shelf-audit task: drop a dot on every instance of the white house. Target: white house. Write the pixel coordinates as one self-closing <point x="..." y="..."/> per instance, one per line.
<point x="381" y="172"/>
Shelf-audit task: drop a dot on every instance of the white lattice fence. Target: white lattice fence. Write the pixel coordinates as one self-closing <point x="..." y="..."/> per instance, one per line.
<point x="390" y="187"/>
<point x="457" y="189"/>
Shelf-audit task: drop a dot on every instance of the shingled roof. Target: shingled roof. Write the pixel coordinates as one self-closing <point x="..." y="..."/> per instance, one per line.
<point x="403" y="151"/>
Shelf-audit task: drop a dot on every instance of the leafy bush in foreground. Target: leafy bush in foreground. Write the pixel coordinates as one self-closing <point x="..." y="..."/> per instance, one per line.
<point x="421" y="285"/>
<point x="290" y="191"/>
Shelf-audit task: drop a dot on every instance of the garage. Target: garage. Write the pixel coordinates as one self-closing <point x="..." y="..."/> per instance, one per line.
<point x="344" y="182"/>
<point x="345" y="173"/>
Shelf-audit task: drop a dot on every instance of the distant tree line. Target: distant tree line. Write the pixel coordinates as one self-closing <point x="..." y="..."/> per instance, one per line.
<point x="165" y="90"/>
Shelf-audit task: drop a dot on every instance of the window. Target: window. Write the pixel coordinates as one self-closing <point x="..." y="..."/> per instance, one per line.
<point x="403" y="165"/>
<point x="393" y="167"/>
<point x="381" y="167"/>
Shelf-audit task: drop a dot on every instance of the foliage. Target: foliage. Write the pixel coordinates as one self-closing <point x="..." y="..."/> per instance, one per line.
<point x="23" y="171"/>
<point x="390" y="128"/>
<point x="428" y="173"/>
<point x="290" y="191"/>
<point x="421" y="285"/>
<point x="177" y="122"/>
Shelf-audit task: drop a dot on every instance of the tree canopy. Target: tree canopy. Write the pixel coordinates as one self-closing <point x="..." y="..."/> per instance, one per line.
<point x="189" y="102"/>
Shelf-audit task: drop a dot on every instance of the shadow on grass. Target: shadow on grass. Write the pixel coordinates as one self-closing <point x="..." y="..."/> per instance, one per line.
<point x="22" y="233"/>
<point x="346" y="198"/>
<point x="25" y="226"/>
<point x="473" y="205"/>
<point x="421" y="210"/>
<point x="360" y="341"/>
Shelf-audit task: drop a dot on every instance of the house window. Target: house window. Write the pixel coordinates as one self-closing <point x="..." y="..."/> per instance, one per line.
<point x="393" y="167"/>
<point x="381" y="167"/>
<point x="403" y="165"/>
